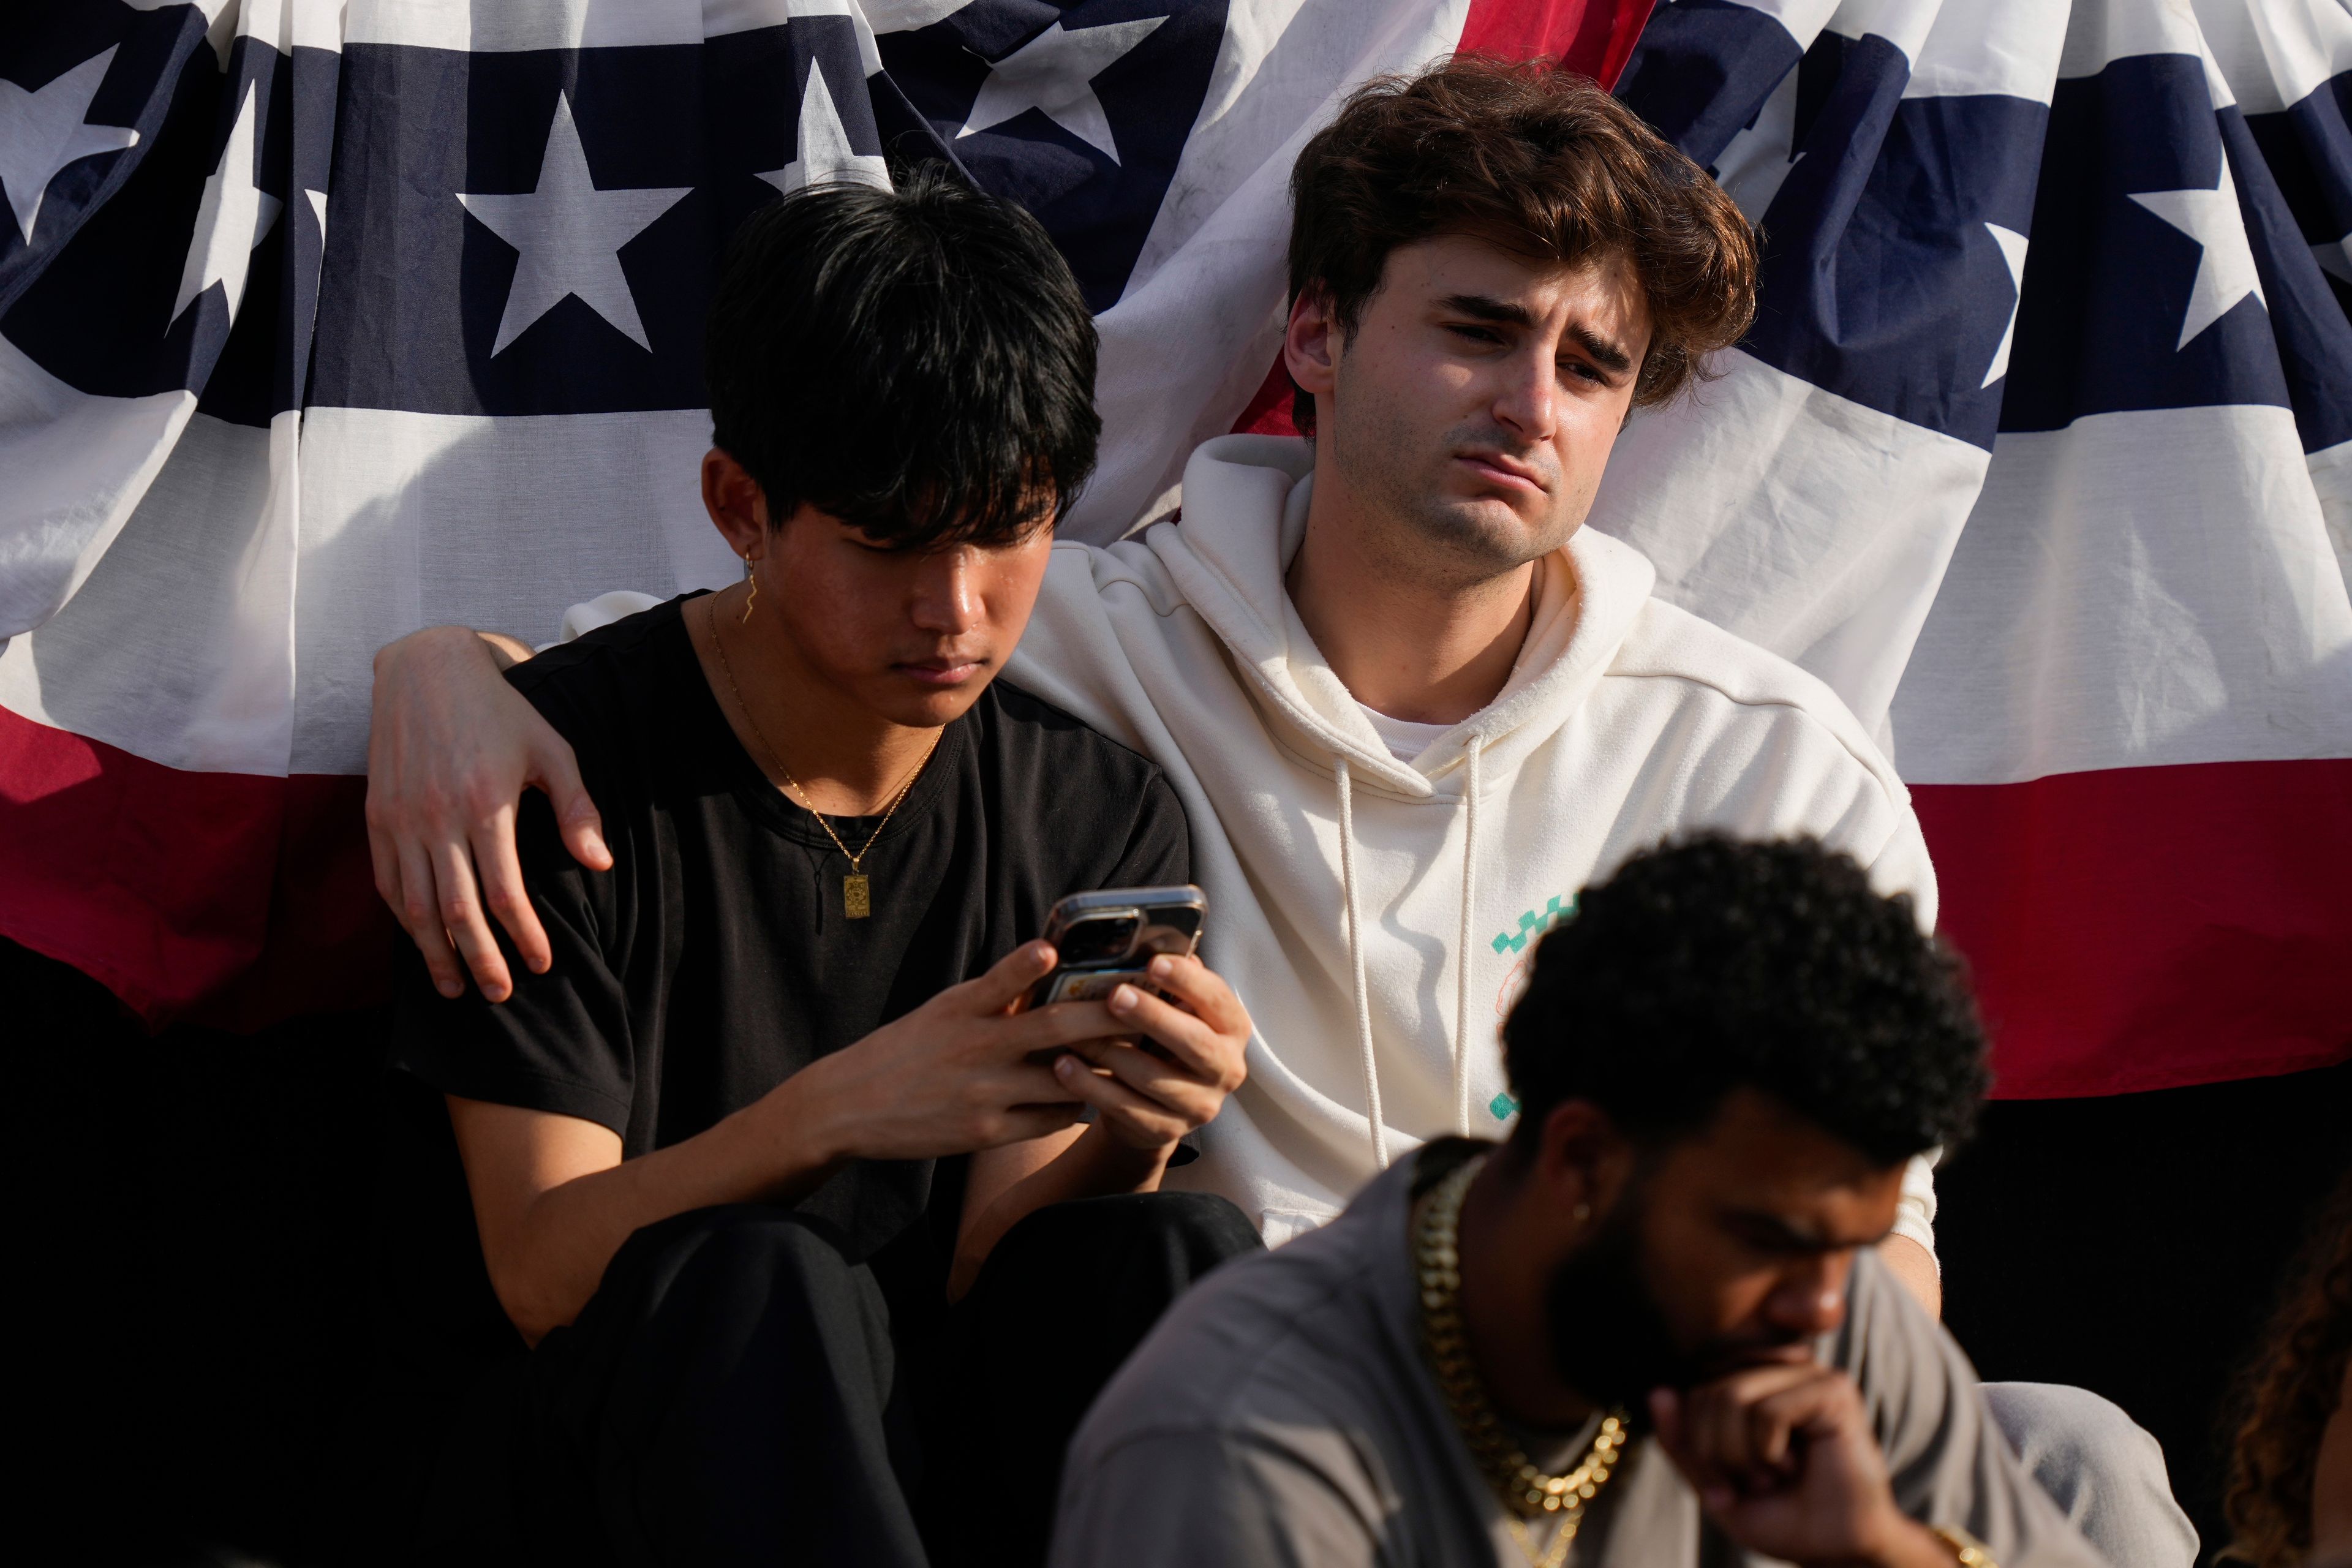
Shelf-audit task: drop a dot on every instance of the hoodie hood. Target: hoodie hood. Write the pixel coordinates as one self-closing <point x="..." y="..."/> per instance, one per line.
<point x="1230" y="567"/>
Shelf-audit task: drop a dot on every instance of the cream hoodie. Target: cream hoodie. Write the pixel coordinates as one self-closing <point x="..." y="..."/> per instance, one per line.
<point x="1376" y="917"/>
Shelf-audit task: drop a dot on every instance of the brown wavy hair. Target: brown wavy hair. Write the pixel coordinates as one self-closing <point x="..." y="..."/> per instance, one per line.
<point x="2288" y="1394"/>
<point x="1542" y="162"/>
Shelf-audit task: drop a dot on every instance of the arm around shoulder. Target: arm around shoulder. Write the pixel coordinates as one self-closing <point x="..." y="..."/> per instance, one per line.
<point x="451" y="749"/>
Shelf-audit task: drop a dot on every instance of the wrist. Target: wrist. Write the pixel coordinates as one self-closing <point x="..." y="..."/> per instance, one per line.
<point x="1114" y="1166"/>
<point x="802" y="1125"/>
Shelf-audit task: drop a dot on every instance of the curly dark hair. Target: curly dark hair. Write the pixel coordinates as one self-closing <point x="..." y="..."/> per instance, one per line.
<point x="1709" y="965"/>
<point x="2287" y="1397"/>
<point x="916" y="361"/>
<point x="1539" y="162"/>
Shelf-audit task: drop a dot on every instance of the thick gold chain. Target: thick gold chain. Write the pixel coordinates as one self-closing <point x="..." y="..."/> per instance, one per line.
<point x="1525" y="1492"/>
<point x="791" y="786"/>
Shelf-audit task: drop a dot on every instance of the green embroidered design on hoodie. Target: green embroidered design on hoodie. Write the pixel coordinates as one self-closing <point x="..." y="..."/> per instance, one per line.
<point x="1535" y="922"/>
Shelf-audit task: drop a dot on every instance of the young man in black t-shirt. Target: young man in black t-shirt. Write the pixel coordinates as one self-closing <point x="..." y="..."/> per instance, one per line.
<point x="700" y="1137"/>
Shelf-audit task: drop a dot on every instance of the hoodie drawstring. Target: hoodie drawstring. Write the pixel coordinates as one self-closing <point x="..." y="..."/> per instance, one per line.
<point x="1356" y="965"/>
<point x="1461" y="963"/>
<point x="1363" y="997"/>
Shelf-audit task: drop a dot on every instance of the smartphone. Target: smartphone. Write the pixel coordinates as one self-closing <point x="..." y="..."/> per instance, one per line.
<point x="1108" y="938"/>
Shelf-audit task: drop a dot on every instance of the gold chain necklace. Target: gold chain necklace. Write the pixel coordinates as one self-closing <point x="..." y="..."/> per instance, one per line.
<point x="1525" y="1492"/>
<point x="856" y="890"/>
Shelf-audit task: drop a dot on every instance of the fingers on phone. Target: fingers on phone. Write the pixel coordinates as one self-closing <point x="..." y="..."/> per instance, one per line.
<point x="1145" y="1115"/>
<point x="1195" y="1044"/>
<point x="1186" y="1094"/>
<point x="1008" y="979"/>
<point x="1064" y="1025"/>
<point x="1197" y="989"/>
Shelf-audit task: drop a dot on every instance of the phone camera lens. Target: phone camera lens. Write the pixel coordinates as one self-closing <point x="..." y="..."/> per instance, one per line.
<point x="1099" y="938"/>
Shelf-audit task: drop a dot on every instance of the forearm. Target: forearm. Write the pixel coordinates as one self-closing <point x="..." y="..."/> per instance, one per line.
<point x="550" y="1257"/>
<point x="1092" y="1164"/>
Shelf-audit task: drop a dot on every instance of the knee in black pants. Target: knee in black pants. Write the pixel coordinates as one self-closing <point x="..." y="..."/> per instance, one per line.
<point x="720" y="1399"/>
<point x="1063" y="1302"/>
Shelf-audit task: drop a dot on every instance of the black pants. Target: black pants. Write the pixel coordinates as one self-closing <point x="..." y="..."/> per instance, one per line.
<point x="732" y="1394"/>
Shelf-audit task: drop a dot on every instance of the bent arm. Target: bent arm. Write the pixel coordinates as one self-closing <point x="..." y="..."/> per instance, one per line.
<point x="553" y="1200"/>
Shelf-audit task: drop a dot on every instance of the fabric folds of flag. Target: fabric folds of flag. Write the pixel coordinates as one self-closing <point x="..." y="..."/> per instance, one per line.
<point x="2036" y="454"/>
<point x="324" y="320"/>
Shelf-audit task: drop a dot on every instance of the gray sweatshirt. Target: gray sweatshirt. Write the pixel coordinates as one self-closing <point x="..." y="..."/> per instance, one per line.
<point x="1283" y="1413"/>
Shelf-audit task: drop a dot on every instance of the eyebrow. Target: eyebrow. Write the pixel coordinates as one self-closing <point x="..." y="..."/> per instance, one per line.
<point x="1608" y="354"/>
<point x="1782" y="1234"/>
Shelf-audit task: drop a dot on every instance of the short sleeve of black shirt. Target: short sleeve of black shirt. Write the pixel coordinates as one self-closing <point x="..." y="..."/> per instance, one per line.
<point x="716" y="958"/>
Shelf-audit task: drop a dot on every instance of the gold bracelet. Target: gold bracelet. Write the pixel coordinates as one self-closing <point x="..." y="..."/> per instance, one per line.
<point x="1966" y="1550"/>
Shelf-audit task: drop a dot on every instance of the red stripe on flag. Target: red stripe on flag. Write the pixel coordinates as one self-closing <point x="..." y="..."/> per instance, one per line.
<point x="1595" y="37"/>
<point x="2149" y="928"/>
<point x="231" y="898"/>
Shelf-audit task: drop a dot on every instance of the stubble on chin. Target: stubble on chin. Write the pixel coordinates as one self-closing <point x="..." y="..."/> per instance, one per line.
<point x="1422" y="524"/>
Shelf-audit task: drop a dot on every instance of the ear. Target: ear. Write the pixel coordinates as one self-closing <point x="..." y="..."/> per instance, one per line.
<point x="1584" y="1159"/>
<point x="738" y="507"/>
<point x="1310" y="345"/>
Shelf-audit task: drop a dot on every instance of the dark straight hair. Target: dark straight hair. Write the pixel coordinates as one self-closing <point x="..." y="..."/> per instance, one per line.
<point x="918" y="363"/>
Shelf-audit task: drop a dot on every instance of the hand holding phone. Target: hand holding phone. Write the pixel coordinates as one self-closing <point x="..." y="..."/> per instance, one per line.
<point x="1108" y="938"/>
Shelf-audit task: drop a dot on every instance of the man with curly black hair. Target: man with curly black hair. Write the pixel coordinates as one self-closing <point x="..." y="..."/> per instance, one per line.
<point x="1651" y="1322"/>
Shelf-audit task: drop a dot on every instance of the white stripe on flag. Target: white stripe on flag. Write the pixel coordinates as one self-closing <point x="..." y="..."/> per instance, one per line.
<point x="501" y="26"/>
<point x="76" y="465"/>
<point x="1800" y="519"/>
<point x="190" y="630"/>
<point x="2276" y="52"/>
<point x="2138" y="589"/>
<point x="178" y="645"/>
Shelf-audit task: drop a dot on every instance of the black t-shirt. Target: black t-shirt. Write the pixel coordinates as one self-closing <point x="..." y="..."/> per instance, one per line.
<point x="715" y="959"/>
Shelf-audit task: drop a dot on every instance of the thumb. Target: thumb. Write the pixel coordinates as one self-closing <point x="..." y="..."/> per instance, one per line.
<point x="1009" y="978"/>
<point x="554" y="769"/>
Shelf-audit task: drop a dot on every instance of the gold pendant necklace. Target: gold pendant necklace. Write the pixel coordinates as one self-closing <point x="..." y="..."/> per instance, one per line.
<point x="1525" y="1492"/>
<point x="856" y="889"/>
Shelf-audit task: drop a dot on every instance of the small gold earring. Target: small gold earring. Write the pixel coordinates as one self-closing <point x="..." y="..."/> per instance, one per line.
<point x="753" y="597"/>
<point x="1583" y="1212"/>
